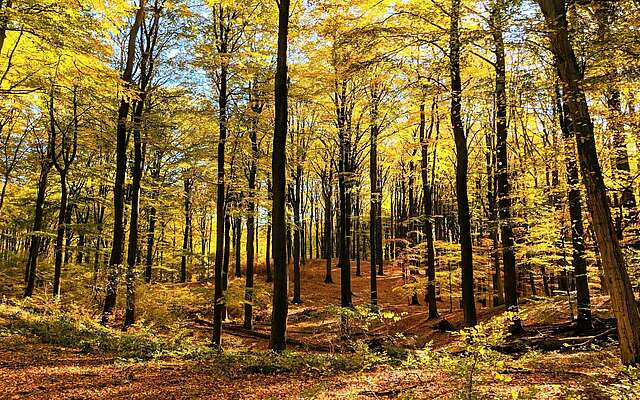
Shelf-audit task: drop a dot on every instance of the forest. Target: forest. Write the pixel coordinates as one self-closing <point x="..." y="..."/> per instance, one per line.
<point x="320" y="199"/>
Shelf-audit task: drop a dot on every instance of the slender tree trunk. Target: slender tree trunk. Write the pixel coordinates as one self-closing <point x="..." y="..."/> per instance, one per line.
<point x="380" y="233"/>
<point x="226" y="258"/>
<point x="132" y="250"/>
<point x="328" y="223"/>
<point x="297" y="227"/>
<point x="187" y="229"/>
<point x="68" y="232"/>
<point x="268" y="246"/>
<point x="117" y="244"/>
<point x="248" y="293"/>
<point x="578" y="260"/>
<point x="356" y="234"/>
<point x="218" y="296"/>
<point x="34" y="247"/>
<point x="502" y="171"/>
<point x="150" y="242"/>
<point x="278" y="172"/>
<point x="237" y="245"/>
<point x="428" y="213"/>
<point x="373" y="210"/>
<point x="62" y="213"/>
<point x="462" y="157"/>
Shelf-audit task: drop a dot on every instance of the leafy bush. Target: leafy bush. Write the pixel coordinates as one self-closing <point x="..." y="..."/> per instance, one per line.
<point x="476" y="354"/>
<point x="69" y="330"/>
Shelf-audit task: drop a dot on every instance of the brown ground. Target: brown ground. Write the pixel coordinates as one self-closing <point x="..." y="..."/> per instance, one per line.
<point x="30" y="369"/>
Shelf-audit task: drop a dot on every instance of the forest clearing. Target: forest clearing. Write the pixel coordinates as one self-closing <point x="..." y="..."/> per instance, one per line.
<point x="320" y="199"/>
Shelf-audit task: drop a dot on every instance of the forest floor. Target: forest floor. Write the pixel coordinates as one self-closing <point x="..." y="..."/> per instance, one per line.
<point x="56" y="350"/>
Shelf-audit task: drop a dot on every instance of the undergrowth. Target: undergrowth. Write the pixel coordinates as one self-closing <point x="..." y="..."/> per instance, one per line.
<point x="74" y="330"/>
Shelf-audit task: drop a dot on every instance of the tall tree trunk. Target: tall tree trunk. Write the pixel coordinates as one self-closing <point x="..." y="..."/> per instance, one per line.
<point x="219" y="295"/>
<point x="225" y="260"/>
<point x="327" y="190"/>
<point x="268" y="247"/>
<point x="132" y="249"/>
<point x="248" y="293"/>
<point x="62" y="213"/>
<point x="150" y="242"/>
<point x="117" y="244"/>
<point x="373" y="208"/>
<point x="428" y="211"/>
<point x="236" y="246"/>
<point x="356" y="233"/>
<point x="502" y="169"/>
<point x="578" y="260"/>
<point x="498" y="291"/>
<point x="297" y="227"/>
<point x="278" y="172"/>
<point x="68" y="231"/>
<point x="622" y="298"/>
<point x="187" y="229"/>
<point x="462" y="158"/>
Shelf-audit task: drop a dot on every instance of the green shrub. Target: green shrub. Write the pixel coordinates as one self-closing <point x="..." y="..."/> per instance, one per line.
<point x="68" y="330"/>
<point x="477" y="355"/>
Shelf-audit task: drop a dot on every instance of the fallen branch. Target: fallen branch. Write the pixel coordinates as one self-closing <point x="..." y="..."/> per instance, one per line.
<point x="238" y="330"/>
<point x="387" y="393"/>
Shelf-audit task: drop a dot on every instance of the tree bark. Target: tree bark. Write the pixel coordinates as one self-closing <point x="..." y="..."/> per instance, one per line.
<point x="622" y="298"/>
<point x="462" y="158"/>
<point x="578" y="260"/>
<point x="117" y="244"/>
<point x="327" y="190"/>
<point x="219" y="303"/>
<point x="430" y="296"/>
<point x="278" y="171"/>
<point x="248" y="293"/>
<point x="187" y="229"/>
<point x="502" y="169"/>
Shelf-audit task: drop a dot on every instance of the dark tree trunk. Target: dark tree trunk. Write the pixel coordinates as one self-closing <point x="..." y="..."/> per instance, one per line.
<point x="226" y="258"/>
<point x="462" y="158"/>
<point x="498" y="291"/>
<point x="430" y="296"/>
<point x="62" y="212"/>
<point x="62" y="157"/>
<point x="68" y="230"/>
<point x="248" y="293"/>
<point x="622" y="298"/>
<point x="219" y="303"/>
<point x="578" y="260"/>
<point x="150" y="242"/>
<point x="297" y="227"/>
<point x="374" y="234"/>
<point x="356" y="234"/>
<point x="327" y="190"/>
<point x="278" y="172"/>
<point x="187" y="229"/>
<point x="502" y="171"/>
<point x="268" y="247"/>
<point x="117" y="244"/>
<point x="132" y="250"/>
<point x="236" y="245"/>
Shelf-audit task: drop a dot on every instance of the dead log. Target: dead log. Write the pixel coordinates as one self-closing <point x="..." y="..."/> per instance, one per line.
<point x="239" y="330"/>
